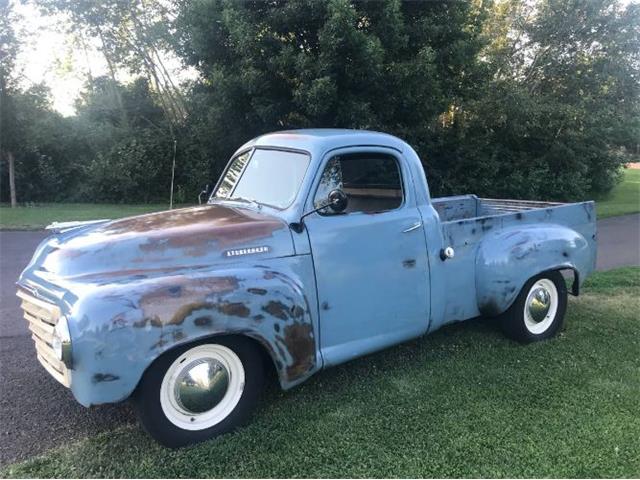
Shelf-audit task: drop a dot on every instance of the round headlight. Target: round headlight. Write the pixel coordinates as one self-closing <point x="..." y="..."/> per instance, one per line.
<point x="61" y="341"/>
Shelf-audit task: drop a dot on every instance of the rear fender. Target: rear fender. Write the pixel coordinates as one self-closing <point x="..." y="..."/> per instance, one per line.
<point x="508" y="258"/>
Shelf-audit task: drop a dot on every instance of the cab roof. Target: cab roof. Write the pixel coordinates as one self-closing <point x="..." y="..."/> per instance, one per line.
<point x="317" y="141"/>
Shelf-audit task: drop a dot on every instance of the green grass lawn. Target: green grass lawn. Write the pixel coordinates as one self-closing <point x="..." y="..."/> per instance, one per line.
<point x="624" y="198"/>
<point x="463" y="402"/>
<point x="41" y="215"/>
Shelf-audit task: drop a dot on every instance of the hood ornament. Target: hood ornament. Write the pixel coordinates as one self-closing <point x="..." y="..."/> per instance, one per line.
<point x="60" y="227"/>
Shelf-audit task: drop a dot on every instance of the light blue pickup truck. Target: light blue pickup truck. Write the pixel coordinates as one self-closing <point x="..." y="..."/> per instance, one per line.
<point x="316" y="247"/>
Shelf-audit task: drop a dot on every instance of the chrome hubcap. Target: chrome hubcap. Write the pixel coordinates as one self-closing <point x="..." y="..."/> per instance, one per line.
<point x="201" y="385"/>
<point x="539" y="304"/>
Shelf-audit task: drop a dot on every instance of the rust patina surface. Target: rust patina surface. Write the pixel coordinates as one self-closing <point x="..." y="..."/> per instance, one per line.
<point x="142" y="285"/>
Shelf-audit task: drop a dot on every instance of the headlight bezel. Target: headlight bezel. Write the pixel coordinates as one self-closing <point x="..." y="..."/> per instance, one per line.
<point x="61" y="342"/>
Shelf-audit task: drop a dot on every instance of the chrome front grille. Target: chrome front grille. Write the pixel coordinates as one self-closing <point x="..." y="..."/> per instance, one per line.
<point x="42" y="317"/>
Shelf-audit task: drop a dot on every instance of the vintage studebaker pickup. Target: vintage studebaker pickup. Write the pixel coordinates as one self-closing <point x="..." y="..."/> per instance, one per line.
<point x="316" y="247"/>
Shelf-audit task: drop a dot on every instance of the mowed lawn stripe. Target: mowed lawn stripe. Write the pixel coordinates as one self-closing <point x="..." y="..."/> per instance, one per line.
<point x="39" y="216"/>
<point x="463" y="402"/>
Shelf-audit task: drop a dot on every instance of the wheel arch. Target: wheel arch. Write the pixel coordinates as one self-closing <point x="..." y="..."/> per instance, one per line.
<point x="259" y="344"/>
<point x="126" y="330"/>
<point x="508" y="259"/>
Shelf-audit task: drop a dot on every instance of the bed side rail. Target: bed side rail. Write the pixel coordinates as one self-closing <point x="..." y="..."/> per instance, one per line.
<point x="498" y="205"/>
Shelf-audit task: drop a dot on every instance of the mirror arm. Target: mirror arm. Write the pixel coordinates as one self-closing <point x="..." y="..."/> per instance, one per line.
<point x="298" y="226"/>
<point x="337" y="200"/>
<point x="204" y="192"/>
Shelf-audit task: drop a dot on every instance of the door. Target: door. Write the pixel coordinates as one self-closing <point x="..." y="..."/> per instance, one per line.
<point x="371" y="260"/>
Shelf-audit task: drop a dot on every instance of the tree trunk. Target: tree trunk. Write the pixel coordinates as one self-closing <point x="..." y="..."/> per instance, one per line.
<point x="12" y="178"/>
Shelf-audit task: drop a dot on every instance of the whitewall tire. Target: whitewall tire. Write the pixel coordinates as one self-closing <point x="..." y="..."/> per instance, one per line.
<point x="199" y="391"/>
<point x="202" y="387"/>
<point x="538" y="311"/>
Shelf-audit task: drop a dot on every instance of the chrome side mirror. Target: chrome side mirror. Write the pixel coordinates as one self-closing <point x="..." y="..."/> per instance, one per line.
<point x="337" y="201"/>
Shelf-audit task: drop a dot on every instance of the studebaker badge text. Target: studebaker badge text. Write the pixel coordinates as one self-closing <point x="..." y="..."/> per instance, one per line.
<point x="247" y="251"/>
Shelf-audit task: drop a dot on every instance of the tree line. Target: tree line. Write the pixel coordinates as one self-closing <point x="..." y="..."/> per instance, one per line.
<point x="508" y="98"/>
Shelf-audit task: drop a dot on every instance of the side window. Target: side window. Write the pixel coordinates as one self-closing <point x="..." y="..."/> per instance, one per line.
<point x="371" y="182"/>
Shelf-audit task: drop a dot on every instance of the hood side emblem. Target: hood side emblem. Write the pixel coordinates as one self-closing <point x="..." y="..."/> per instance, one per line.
<point x="247" y="251"/>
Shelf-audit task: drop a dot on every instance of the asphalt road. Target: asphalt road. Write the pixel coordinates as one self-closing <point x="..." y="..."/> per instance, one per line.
<point x="36" y="413"/>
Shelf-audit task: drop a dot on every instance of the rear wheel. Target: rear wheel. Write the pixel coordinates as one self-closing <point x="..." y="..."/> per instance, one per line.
<point x="199" y="391"/>
<point x="538" y="312"/>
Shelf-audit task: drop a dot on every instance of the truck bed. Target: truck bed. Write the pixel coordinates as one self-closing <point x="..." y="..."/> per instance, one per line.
<point x="469" y="206"/>
<point x="468" y="221"/>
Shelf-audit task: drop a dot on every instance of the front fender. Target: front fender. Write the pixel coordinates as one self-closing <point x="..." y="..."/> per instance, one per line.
<point x="508" y="258"/>
<point x="119" y="329"/>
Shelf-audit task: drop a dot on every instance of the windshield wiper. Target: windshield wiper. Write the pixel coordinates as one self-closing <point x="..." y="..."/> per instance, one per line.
<point x="244" y="200"/>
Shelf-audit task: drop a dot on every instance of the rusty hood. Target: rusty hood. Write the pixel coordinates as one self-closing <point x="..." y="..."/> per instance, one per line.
<point x="175" y="239"/>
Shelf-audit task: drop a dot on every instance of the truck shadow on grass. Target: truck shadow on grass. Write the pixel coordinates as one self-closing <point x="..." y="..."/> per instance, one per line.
<point x="460" y="338"/>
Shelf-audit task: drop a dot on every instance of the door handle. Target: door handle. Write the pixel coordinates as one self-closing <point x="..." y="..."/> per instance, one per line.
<point x="413" y="227"/>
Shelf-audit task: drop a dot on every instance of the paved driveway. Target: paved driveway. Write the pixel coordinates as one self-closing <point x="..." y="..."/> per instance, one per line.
<point x="618" y="242"/>
<point x="36" y="413"/>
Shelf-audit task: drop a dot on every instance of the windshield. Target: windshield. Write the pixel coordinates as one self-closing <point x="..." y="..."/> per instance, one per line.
<point x="269" y="177"/>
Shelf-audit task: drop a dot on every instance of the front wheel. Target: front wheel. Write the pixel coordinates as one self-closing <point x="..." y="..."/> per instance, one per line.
<point x="200" y="391"/>
<point x="538" y="312"/>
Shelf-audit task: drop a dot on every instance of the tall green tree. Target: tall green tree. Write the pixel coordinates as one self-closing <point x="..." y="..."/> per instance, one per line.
<point x="531" y="100"/>
<point x="134" y="37"/>
<point x="561" y="112"/>
<point x="127" y="161"/>
<point x="385" y="65"/>
<point x="9" y="134"/>
<point x="32" y="136"/>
